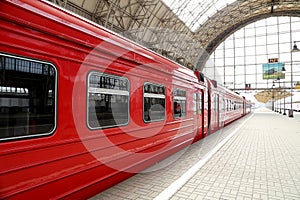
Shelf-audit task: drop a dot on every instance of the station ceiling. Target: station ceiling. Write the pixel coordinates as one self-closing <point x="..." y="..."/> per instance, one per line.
<point x="188" y="39"/>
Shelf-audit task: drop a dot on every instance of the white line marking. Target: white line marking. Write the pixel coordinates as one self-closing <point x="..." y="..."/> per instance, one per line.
<point x="176" y="185"/>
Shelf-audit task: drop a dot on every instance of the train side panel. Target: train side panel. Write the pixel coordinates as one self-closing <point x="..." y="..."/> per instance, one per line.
<point x="79" y="155"/>
<point x="225" y="106"/>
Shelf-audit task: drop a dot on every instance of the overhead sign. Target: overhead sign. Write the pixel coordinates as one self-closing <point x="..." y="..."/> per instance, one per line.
<point x="247" y="86"/>
<point x="297" y="86"/>
<point x="273" y="70"/>
<point x="273" y="60"/>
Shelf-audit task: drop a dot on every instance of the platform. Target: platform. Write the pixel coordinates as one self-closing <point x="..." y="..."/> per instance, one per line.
<point x="257" y="157"/>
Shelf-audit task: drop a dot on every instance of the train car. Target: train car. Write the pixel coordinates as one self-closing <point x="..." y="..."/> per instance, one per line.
<point x="225" y="106"/>
<point x="83" y="108"/>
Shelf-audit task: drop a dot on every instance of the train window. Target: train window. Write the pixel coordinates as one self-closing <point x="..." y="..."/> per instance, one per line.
<point x="200" y="106"/>
<point x="216" y="102"/>
<point x="179" y="103"/>
<point x="154" y="102"/>
<point x="195" y="104"/>
<point x="27" y="98"/>
<point x="108" y="100"/>
<point x="223" y="105"/>
<point x="228" y="105"/>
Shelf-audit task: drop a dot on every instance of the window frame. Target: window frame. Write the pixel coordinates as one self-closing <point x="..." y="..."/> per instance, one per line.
<point x="195" y="105"/>
<point x="55" y="96"/>
<point x="179" y="98"/>
<point x="151" y="96"/>
<point x="200" y="98"/>
<point x="106" y="91"/>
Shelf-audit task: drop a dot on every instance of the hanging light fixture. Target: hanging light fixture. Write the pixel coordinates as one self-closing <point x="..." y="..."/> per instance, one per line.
<point x="283" y="69"/>
<point x="295" y="48"/>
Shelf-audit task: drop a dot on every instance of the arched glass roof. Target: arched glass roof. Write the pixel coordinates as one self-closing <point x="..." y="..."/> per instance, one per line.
<point x="241" y="62"/>
<point x="192" y="33"/>
<point x="240" y="58"/>
<point x="186" y="31"/>
<point x="194" y="12"/>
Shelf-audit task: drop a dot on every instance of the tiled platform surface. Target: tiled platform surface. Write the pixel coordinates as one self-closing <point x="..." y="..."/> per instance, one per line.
<point x="260" y="161"/>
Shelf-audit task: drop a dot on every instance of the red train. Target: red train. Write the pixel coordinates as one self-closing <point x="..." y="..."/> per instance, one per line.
<point x="83" y="108"/>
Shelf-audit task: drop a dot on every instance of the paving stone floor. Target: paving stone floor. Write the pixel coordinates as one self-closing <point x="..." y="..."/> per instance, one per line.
<point x="260" y="161"/>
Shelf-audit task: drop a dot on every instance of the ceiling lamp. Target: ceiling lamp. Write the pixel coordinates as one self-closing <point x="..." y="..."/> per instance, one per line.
<point x="295" y="48"/>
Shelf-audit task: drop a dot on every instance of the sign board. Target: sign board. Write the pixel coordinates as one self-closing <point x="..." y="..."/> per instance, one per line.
<point x="273" y="70"/>
<point x="297" y="86"/>
<point x="247" y="86"/>
<point x="273" y="60"/>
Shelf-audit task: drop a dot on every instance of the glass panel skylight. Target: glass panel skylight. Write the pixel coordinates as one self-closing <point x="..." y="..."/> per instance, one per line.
<point x="195" y="12"/>
<point x="250" y="48"/>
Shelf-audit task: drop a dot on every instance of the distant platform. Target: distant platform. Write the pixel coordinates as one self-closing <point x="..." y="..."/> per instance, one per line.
<point x="257" y="157"/>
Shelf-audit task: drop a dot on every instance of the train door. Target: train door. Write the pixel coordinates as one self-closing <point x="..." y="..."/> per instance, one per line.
<point x="217" y="111"/>
<point x="200" y="114"/>
<point x="214" y="119"/>
<point x="209" y="112"/>
<point x="244" y="106"/>
<point x="221" y="111"/>
<point x="205" y="112"/>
